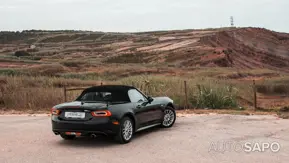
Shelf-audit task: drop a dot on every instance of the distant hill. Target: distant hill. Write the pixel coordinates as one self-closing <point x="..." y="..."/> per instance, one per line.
<point x="241" y="48"/>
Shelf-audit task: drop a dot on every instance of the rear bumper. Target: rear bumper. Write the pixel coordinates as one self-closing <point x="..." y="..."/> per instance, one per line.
<point x="93" y="126"/>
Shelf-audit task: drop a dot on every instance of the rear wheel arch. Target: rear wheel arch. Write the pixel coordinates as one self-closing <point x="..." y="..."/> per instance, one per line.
<point x="125" y="128"/>
<point x="130" y="115"/>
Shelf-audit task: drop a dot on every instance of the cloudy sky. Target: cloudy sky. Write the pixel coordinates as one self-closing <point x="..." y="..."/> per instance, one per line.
<point x="142" y="15"/>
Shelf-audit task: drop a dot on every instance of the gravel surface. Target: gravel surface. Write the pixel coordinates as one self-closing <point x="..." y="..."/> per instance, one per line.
<point x="195" y="138"/>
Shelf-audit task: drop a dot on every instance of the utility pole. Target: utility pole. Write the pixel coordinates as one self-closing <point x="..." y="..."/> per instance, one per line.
<point x="233" y="26"/>
<point x="232" y="21"/>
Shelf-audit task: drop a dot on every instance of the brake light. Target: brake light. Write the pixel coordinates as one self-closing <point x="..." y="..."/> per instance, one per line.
<point x="104" y="113"/>
<point x="55" y="111"/>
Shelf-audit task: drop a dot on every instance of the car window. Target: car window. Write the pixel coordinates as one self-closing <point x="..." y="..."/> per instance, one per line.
<point x="95" y="96"/>
<point x="116" y="96"/>
<point x="136" y="96"/>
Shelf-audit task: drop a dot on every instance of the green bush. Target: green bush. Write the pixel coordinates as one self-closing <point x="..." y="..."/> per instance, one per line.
<point x="10" y="72"/>
<point x="21" y="53"/>
<point x="215" y="98"/>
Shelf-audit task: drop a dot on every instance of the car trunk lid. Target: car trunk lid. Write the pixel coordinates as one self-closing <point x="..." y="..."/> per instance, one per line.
<point x="80" y="111"/>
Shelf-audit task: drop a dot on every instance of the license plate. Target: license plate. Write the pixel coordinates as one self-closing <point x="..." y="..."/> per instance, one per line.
<point x="74" y="115"/>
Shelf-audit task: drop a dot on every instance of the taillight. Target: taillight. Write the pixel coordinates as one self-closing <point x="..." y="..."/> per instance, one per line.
<point x="55" y="111"/>
<point x="104" y="113"/>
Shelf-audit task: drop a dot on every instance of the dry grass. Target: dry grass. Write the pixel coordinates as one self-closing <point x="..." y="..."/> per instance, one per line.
<point x="36" y="93"/>
<point x="274" y="86"/>
<point x="43" y="92"/>
<point x="73" y="63"/>
<point x="216" y="111"/>
<point x="32" y="98"/>
<point x="46" y="70"/>
<point x="217" y="93"/>
<point x="284" y="115"/>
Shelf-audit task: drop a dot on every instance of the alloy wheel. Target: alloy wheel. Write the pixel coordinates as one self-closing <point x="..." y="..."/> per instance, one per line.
<point x="127" y="130"/>
<point x="169" y="118"/>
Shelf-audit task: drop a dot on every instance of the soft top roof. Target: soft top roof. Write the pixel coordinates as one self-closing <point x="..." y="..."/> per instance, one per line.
<point x="109" y="88"/>
<point x="119" y="92"/>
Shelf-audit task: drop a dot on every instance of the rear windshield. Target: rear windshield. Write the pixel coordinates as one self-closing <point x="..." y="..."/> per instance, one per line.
<point x="104" y="96"/>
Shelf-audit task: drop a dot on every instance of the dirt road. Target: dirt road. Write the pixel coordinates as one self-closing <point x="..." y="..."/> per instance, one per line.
<point x="25" y="139"/>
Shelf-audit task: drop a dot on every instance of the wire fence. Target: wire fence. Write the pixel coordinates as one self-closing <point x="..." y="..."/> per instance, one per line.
<point x="259" y="96"/>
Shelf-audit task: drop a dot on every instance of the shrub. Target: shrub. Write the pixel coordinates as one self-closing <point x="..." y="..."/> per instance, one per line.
<point x="36" y="58"/>
<point x="73" y="63"/>
<point x="137" y="57"/>
<point x="217" y="98"/>
<point x="46" y="70"/>
<point x="10" y="72"/>
<point x="21" y="53"/>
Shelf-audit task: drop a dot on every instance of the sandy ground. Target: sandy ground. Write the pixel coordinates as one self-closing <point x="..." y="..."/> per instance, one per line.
<point x="29" y="139"/>
<point x="152" y="47"/>
<point x="177" y="45"/>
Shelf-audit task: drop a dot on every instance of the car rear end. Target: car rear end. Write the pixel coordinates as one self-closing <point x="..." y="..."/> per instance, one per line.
<point x="81" y="121"/>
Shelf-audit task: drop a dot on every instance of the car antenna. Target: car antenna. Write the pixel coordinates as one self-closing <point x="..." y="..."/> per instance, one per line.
<point x="106" y="100"/>
<point x="107" y="103"/>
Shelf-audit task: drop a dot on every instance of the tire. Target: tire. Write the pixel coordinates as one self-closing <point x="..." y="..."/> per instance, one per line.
<point x="169" y="117"/>
<point x="67" y="137"/>
<point x="126" y="131"/>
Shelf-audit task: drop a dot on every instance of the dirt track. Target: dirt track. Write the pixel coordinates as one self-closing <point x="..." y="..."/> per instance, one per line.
<point x="29" y="139"/>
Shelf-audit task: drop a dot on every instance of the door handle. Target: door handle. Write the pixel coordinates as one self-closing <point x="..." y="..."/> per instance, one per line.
<point x="139" y="106"/>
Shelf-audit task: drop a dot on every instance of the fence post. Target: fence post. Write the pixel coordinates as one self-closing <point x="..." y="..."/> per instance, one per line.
<point x="146" y="87"/>
<point x="255" y="95"/>
<point x="186" y="95"/>
<point x="64" y="91"/>
<point x="149" y="91"/>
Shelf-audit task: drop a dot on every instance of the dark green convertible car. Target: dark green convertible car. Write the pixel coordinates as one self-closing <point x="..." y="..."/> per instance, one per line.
<point x="112" y="110"/>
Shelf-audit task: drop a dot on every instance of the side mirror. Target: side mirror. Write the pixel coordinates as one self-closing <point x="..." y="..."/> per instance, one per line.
<point x="150" y="99"/>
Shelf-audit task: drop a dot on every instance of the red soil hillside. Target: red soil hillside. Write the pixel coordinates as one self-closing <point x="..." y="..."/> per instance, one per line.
<point x="251" y="48"/>
<point x="244" y="48"/>
<point x="241" y="48"/>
